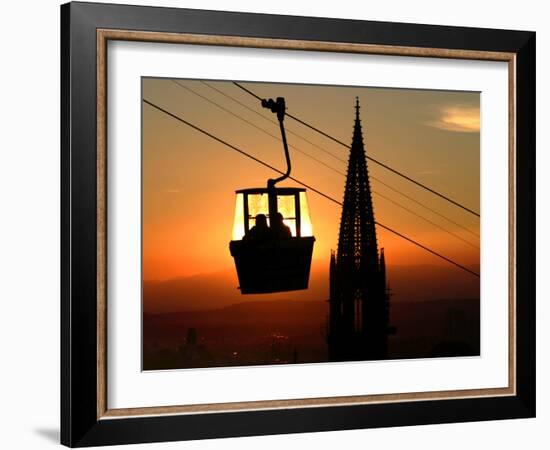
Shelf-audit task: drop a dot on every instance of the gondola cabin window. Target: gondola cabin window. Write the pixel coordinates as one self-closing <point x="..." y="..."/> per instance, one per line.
<point x="291" y="204"/>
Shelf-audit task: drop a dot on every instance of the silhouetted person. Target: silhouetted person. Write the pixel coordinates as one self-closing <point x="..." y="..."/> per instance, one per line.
<point x="278" y="229"/>
<point x="260" y="231"/>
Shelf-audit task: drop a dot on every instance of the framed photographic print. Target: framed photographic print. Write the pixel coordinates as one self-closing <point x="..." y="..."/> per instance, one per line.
<point x="276" y="224"/>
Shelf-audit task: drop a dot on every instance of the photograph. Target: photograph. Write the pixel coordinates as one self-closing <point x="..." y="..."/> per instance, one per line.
<point x="307" y="224"/>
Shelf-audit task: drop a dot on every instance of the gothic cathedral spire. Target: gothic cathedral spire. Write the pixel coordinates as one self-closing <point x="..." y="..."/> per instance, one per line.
<point x="358" y="321"/>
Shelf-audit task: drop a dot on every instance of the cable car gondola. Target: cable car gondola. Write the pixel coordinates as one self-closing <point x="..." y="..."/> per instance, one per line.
<point x="272" y="233"/>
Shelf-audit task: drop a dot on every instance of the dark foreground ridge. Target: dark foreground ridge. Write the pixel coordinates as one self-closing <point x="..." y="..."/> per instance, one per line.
<point x="289" y="331"/>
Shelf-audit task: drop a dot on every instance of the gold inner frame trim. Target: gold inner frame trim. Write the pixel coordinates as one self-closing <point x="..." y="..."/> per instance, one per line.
<point x="103" y="36"/>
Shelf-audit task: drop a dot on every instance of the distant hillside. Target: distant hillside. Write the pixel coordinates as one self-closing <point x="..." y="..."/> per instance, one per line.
<point x="219" y="289"/>
<point x="415" y="318"/>
<point x="216" y="290"/>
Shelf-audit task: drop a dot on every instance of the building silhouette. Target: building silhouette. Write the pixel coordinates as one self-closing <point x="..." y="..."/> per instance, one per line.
<point x="358" y="324"/>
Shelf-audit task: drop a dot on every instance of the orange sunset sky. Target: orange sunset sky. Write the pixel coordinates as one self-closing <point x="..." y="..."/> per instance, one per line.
<point x="189" y="180"/>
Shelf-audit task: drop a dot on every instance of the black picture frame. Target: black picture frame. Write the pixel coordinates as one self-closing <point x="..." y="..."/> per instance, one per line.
<point x="80" y="425"/>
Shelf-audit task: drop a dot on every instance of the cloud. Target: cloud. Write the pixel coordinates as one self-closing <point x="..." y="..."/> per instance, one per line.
<point x="462" y="119"/>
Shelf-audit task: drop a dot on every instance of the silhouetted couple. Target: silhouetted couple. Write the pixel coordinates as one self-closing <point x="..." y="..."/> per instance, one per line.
<point x="262" y="232"/>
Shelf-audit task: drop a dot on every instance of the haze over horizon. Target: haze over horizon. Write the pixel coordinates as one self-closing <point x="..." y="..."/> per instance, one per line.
<point x="219" y="289"/>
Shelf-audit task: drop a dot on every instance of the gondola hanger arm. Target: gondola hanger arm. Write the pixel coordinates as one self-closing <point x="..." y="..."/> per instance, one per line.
<point x="278" y="107"/>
